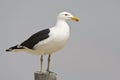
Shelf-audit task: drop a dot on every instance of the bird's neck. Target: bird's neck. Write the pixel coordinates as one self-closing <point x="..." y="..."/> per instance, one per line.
<point x="61" y="23"/>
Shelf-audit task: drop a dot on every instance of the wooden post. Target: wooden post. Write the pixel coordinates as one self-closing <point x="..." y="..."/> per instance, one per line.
<point x="44" y="76"/>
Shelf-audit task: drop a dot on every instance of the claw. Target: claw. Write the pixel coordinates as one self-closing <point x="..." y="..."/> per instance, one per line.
<point x="49" y="71"/>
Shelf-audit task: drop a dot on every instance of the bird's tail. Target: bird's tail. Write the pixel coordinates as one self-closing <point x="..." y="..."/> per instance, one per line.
<point x="14" y="47"/>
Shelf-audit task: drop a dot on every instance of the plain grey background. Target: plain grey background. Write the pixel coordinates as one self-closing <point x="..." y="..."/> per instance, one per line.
<point x="92" y="53"/>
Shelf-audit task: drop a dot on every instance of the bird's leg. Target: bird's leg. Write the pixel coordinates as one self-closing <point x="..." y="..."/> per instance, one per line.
<point x="41" y="63"/>
<point x="48" y="66"/>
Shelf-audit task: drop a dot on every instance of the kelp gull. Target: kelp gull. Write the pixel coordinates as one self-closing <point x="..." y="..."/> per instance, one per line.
<point x="48" y="40"/>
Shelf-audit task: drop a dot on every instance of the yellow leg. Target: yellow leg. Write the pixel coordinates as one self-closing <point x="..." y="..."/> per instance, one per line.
<point x="41" y="62"/>
<point x="48" y="66"/>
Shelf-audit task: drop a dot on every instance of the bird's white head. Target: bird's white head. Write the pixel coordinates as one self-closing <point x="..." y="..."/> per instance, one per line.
<point x="67" y="16"/>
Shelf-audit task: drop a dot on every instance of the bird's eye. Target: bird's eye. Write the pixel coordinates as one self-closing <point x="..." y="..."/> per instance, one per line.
<point x="66" y="14"/>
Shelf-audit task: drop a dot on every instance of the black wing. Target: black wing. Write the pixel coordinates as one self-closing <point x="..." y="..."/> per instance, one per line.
<point x="35" y="38"/>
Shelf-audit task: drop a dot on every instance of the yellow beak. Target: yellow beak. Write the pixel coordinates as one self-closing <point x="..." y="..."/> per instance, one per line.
<point x="75" y="18"/>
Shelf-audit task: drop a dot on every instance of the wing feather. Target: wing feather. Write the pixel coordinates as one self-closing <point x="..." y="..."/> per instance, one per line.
<point x="35" y="38"/>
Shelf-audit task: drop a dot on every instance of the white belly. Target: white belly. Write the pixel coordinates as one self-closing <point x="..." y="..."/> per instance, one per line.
<point x="51" y="45"/>
<point x="50" y="48"/>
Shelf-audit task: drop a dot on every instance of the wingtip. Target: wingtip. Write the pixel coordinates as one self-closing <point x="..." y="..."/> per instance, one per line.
<point x="8" y="50"/>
